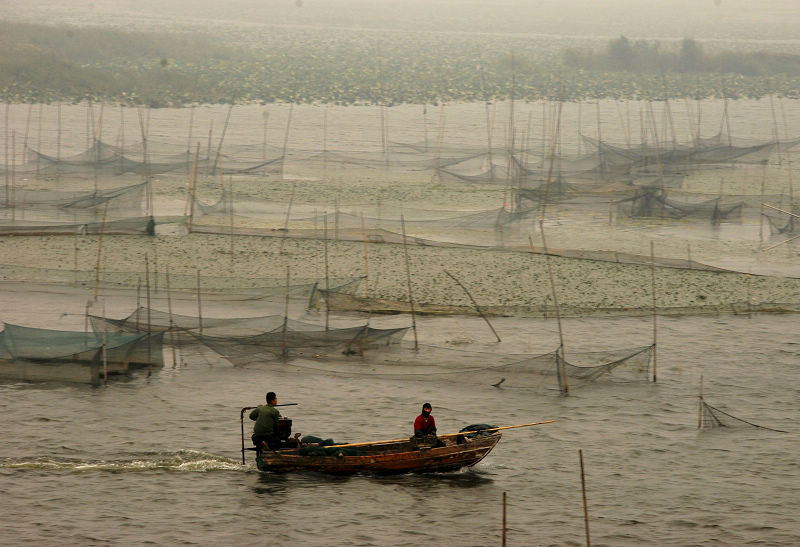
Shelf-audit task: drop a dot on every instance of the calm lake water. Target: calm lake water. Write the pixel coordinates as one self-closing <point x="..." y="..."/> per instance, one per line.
<point x="157" y="460"/>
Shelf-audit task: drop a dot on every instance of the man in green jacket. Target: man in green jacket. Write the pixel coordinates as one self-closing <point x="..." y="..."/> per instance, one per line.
<point x="265" y="430"/>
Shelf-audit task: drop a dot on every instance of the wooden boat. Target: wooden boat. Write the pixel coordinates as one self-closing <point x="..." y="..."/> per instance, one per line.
<point x="383" y="458"/>
<point x="431" y="454"/>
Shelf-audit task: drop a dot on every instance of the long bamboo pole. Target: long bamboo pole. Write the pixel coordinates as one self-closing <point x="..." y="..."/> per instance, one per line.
<point x="199" y="303"/>
<point x="655" y="309"/>
<point x="504" y="520"/>
<point x="386" y="441"/>
<point x="100" y="250"/>
<point x="327" y="277"/>
<point x="171" y="324"/>
<point x="149" y="327"/>
<point x="284" y="347"/>
<point x="408" y="279"/>
<point x="193" y="187"/>
<point x="585" y="505"/>
<point x="474" y="303"/>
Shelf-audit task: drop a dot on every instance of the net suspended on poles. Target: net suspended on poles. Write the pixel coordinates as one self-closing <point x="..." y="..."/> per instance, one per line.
<point x="247" y="339"/>
<point x="400" y="363"/>
<point x="35" y="344"/>
<point x="712" y="417"/>
<point x="654" y="203"/>
<point x="298" y="338"/>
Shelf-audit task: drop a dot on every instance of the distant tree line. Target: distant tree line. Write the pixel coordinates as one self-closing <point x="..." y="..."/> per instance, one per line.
<point x="65" y="64"/>
<point x="646" y="56"/>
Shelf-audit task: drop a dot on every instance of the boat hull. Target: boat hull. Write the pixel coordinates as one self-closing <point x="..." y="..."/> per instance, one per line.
<point x="383" y="459"/>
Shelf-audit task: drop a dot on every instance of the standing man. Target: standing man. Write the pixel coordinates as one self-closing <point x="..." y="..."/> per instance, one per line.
<point x="265" y="430"/>
<point x="425" y="425"/>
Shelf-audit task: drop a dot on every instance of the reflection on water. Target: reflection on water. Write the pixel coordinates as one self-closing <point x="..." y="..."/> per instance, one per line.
<point x="469" y="478"/>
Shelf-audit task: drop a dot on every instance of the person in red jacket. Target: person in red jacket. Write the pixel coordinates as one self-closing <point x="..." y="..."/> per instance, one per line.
<point x="425" y="425"/>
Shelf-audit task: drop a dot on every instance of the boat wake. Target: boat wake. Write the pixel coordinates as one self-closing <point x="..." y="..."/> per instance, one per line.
<point x="180" y="461"/>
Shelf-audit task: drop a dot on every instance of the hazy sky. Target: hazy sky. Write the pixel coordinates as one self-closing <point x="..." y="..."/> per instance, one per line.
<point x="702" y="19"/>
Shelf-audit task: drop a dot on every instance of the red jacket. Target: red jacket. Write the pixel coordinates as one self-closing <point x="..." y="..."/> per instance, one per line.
<point x="424" y="426"/>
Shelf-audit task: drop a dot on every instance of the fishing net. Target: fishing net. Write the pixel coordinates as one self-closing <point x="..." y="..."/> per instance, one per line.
<point x="545" y="372"/>
<point x="711" y="417"/>
<point x="654" y="202"/>
<point x="19" y="342"/>
<point x="294" y="338"/>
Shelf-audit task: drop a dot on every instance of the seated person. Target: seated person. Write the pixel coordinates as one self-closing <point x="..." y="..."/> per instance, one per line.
<point x="265" y="430"/>
<point x="425" y="427"/>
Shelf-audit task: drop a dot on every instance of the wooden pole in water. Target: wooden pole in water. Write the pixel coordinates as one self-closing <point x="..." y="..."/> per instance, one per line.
<point x="149" y="331"/>
<point x="655" y="310"/>
<point x="327" y="278"/>
<point x="700" y="409"/>
<point x="27" y="132"/>
<point x="585" y="505"/>
<point x="5" y="163"/>
<point x="138" y="301"/>
<point x="474" y="303"/>
<point x="221" y="139"/>
<point x="366" y="256"/>
<point x="408" y="278"/>
<point x="284" y="348"/>
<point x="105" y="345"/>
<point x="192" y="189"/>
<point x="13" y="181"/>
<point x="286" y="219"/>
<point x="504" y="519"/>
<point x="761" y="212"/>
<point x="189" y="139"/>
<point x="100" y="251"/>
<point x="286" y="141"/>
<point x="230" y="217"/>
<point x="562" y="356"/>
<point x="38" y="140"/>
<point x="58" y="142"/>
<point x="199" y="303"/>
<point x="171" y="324"/>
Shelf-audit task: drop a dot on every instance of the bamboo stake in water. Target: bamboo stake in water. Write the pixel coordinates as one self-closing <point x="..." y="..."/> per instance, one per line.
<point x="13" y="181"/>
<point x="171" y="324"/>
<point x="700" y="409"/>
<point x="191" y="190"/>
<point x="199" y="303"/>
<point x="149" y="333"/>
<point x="100" y="251"/>
<point x="585" y="505"/>
<point x="504" y="519"/>
<point x="474" y="303"/>
<point x="286" y="219"/>
<point x="5" y="162"/>
<point x="655" y="310"/>
<point x="366" y="257"/>
<point x="105" y="345"/>
<point x="408" y="278"/>
<point x="230" y="217"/>
<point x="327" y="282"/>
<point x="286" y="141"/>
<point x="284" y="348"/>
